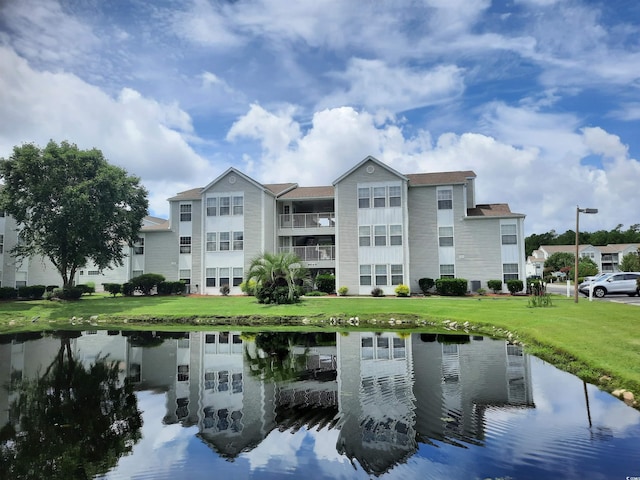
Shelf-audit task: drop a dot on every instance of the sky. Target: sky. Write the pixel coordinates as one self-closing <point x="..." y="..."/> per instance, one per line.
<point x="540" y="98"/>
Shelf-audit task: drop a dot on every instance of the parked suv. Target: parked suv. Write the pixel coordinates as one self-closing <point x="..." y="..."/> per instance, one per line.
<point x="621" y="282"/>
<point x="584" y="286"/>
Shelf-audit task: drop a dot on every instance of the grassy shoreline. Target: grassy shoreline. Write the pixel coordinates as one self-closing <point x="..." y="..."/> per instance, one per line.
<point x="596" y="341"/>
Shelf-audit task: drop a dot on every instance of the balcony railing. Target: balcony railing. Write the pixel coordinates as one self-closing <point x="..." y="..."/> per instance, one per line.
<point x="308" y="220"/>
<point x="313" y="253"/>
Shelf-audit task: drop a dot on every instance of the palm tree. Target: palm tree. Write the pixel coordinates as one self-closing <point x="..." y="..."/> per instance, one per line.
<point x="273" y="270"/>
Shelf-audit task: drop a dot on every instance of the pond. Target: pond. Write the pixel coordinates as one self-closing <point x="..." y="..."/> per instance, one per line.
<point x="227" y="404"/>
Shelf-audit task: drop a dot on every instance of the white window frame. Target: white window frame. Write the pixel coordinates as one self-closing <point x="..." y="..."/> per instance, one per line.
<point x="365" y="273"/>
<point x="447" y="271"/>
<point x="510" y="271"/>
<point x="395" y="235"/>
<point x="445" y="199"/>
<point x="364" y="235"/>
<point x="364" y="197"/>
<point x="445" y="236"/>
<point x="509" y="234"/>
<point x="212" y="206"/>
<point x="379" y="235"/>
<point x="185" y="244"/>
<point x="185" y="212"/>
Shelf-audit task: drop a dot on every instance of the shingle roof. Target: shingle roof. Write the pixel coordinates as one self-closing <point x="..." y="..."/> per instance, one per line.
<point x="193" y="194"/>
<point x="492" y="210"/>
<point x="439" y="178"/>
<point x="310" y="192"/>
<point x="279" y="188"/>
<point x="151" y="224"/>
<point x="617" y="247"/>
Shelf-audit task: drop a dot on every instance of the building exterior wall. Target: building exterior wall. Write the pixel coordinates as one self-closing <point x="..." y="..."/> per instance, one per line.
<point x="419" y="238"/>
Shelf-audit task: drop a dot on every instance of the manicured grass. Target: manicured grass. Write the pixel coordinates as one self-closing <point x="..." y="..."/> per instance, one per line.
<point x="598" y="341"/>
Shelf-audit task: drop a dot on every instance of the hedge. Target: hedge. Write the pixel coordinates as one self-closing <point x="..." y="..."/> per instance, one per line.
<point x="451" y="286"/>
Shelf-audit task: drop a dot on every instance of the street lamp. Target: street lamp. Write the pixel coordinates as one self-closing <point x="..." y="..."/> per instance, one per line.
<point x="575" y="270"/>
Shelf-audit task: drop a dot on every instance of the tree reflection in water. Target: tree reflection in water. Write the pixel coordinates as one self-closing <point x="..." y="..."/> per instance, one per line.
<point x="71" y="422"/>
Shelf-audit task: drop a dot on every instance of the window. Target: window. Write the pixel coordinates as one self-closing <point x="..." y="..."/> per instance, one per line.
<point x="447" y="271"/>
<point x="93" y="272"/>
<point x="238" y="240"/>
<point x="394" y="197"/>
<point x="380" y="235"/>
<point x="185" y="276"/>
<point x="212" y="206"/>
<point x="138" y="246"/>
<point x="364" y="235"/>
<point x="136" y="273"/>
<point x="445" y="199"/>
<point x="1" y="243"/>
<point x="238" y="205"/>
<point x="224" y="206"/>
<point x="224" y="277"/>
<point x="510" y="271"/>
<point x="445" y="236"/>
<point x="395" y="234"/>
<point x="364" y="197"/>
<point x="237" y="276"/>
<point x="210" y="277"/>
<point x="396" y="275"/>
<point x="183" y="373"/>
<point x="185" y="212"/>
<point x="509" y="234"/>
<point x="211" y="242"/>
<point x="185" y="244"/>
<point x="365" y="274"/>
<point x="379" y="197"/>
<point x="224" y="241"/>
<point x="381" y="274"/>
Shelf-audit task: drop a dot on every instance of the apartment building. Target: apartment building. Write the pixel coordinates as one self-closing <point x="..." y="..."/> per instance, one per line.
<point x="606" y="257"/>
<point x="372" y="227"/>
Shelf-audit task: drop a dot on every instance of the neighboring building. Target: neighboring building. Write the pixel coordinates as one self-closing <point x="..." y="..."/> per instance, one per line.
<point x="607" y="257"/>
<point x="373" y="227"/>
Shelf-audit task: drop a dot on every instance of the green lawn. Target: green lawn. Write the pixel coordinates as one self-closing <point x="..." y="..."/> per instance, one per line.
<point x="598" y="341"/>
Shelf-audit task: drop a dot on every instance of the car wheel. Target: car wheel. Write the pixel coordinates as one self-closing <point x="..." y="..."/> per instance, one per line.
<point x="599" y="292"/>
<point x="632" y="294"/>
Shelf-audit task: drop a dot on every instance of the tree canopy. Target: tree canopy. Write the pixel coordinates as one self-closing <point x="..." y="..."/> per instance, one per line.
<point x="71" y="206"/>
<point x="630" y="262"/>
<point x="600" y="237"/>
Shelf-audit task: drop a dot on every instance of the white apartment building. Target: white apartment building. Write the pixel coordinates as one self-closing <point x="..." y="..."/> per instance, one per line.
<point x="373" y="227"/>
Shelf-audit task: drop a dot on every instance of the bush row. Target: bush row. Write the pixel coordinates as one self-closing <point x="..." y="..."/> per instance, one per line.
<point x="145" y="286"/>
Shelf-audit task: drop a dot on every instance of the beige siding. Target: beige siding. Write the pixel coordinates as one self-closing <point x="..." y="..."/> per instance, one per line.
<point x="347" y="268"/>
<point x="161" y="254"/>
<point x="423" y="235"/>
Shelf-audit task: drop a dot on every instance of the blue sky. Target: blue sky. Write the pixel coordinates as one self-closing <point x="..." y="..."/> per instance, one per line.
<point x="541" y="98"/>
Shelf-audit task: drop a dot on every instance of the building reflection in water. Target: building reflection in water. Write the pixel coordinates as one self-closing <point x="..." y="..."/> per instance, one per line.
<point x="385" y="392"/>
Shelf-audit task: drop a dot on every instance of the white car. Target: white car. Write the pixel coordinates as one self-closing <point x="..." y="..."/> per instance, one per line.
<point x="584" y="286"/>
<point x="620" y="282"/>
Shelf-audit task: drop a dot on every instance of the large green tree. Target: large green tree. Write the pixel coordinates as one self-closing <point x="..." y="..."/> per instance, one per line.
<point x="630" y="262"/>
<point x="71" y="206"/>
<point x="559" y="260"/>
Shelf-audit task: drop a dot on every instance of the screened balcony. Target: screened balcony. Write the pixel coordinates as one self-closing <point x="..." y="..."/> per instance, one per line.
<point x="308" y="220"/>
<point x="313" y="253"/>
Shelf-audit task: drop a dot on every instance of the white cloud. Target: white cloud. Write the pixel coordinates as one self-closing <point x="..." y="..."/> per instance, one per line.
<point x="378" y="86"/>
<point x="147" y="138"/>
<point x="533" y="161"/>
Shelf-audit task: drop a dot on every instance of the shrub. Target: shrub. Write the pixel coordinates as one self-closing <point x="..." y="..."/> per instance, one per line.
<point x="426" y="284"/>
<point x="51" y="288"/>
<point x="495" y="285"/>
<point x="112" y="288"/>
<point x="481" y="291"/>
<point x="128" y="289"/>
<point x="514" y="286"/>
<point x="31" y="292"/>
<point x="146" y="282"/>
<point x="86" y="288"/>
<point x="71" y="293"/>
<point x="451" y="286"/>
<point x="278" y="294"/>
<point x="224" y="290"/>
<point x="8" y="293"/>
<point x="170" y="288"/>
<point x="248" y="288"/>
<point x="377" y="292"/>
<point x="402" y="291"/>
<point x="342" y="291"/>
<point x="316" y="293"/>
<point x="326" y="282"/>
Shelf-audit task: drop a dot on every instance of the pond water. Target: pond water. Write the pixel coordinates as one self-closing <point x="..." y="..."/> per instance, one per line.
<point x="223" y="404"/>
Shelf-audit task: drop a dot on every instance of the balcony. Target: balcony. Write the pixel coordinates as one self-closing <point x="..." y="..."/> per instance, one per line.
<point x="308" y="220"/>
<point x="313" y="253"/>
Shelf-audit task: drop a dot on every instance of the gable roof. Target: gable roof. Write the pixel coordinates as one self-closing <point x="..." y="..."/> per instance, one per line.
<point x="280" y="188"/>
<point x="309" y="192"/>
<point x="369" y="158"/>
<point x="239" y="174"/>
<point x="440" y="178"/>
<point x="492" y="210"/>
<point x="192" y="194"/>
